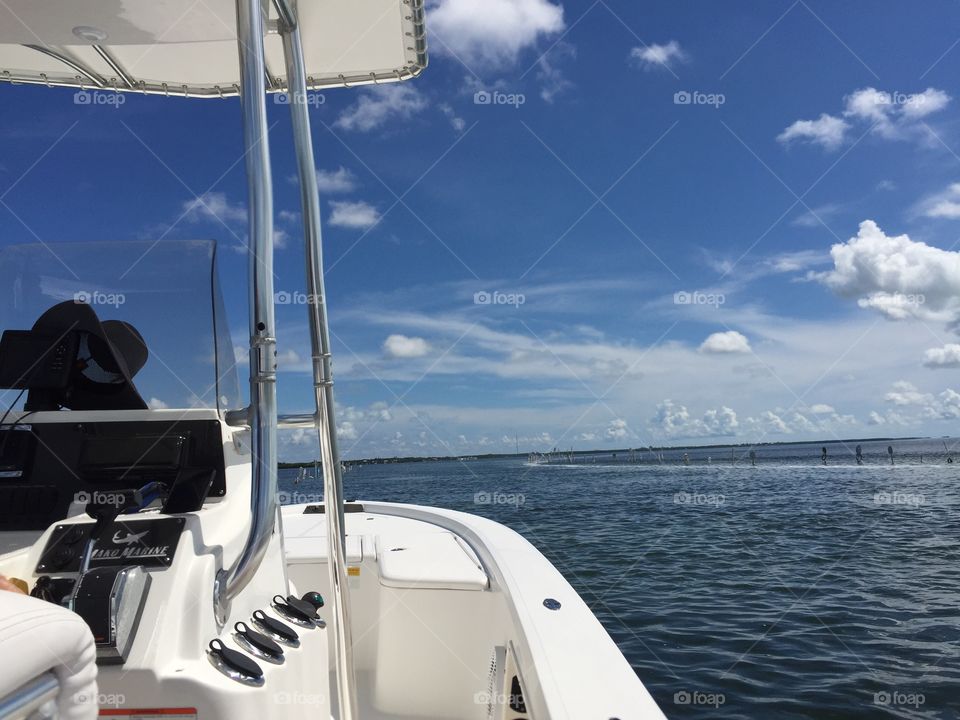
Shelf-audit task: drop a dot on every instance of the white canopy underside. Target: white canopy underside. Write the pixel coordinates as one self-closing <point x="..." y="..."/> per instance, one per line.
<point x="189" y="47"/>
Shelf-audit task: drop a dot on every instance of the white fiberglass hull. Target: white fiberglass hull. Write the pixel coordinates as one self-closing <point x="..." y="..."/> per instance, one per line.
<point x="447" y="608"/>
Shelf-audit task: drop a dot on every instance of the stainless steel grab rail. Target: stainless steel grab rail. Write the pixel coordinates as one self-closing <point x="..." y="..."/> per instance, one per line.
<point x="263" y="388"/>
<point x="323" y="420"/>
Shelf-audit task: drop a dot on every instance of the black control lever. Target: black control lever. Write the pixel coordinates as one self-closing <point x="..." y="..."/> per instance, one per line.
<point x="104" y="508"/>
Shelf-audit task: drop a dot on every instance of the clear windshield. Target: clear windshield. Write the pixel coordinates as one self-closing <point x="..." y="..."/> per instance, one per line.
<point x="167" y="290"/>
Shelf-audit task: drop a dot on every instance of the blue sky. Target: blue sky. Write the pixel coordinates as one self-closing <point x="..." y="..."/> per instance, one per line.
<point x="694" y="222"/>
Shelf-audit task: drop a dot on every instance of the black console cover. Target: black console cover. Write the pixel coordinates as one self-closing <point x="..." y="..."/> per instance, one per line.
<point x="44" y="467"/>
<point x="149" y="543"/>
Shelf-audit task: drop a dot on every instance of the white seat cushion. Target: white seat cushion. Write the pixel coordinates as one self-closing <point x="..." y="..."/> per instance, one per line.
<point x="428" y="560"/>
<point x="42" y="636"/>
<point x="311" y="549"/>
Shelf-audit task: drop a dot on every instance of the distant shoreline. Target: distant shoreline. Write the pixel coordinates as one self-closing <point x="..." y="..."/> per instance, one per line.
<point x="645" y="448"/>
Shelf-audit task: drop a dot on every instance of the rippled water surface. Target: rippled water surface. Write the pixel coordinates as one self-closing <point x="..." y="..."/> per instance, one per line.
<point x="786" y="590"/>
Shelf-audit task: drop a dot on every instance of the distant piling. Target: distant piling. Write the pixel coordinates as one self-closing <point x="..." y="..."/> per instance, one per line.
<point x="753" y="458"/>
<point x="823" y="454"/>
<point x="859" y="455"/>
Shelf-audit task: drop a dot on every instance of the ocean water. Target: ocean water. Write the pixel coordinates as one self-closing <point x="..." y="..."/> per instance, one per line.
<point x="786" y="590"/>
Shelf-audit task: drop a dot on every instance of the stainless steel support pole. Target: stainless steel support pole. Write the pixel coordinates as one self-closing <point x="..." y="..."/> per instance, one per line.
<point x="322" y="373"/>
<point x="263" y="389"/>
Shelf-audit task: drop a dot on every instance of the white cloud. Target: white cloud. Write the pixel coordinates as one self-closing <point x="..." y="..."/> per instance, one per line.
<point x="772" y="423"/>
<point x="675" y="421"/>
<point x="827" y="131"/>
<point x="457" y="122"/>
<point x="347" y="431"/>
<point x="816" y="217"/>
<point x="730" y="341"/>
<point x="906" y="393"/>
<point x="340" y="180"/>
<point x="896" y="276"/>
<point x="821" y="409"/>
<point x="946" y="357"/>
<point x="157" y="404"/>
<point x="617" y="430"/>
<point x="492" y="33"/>
<point x="892" y="116"/>
<point x="381" y="104"/>
<point x="353" y="214"/>
<point x="552" y="80"/>
<point x="651" y="57"/>
<point x="721" y="422"/>
<point x="926" y="406"/>
<point x="214" y="206"/>
<point x="945" y="204"/>
<point x="401" y="346"/>
<point x="290" y="357"/>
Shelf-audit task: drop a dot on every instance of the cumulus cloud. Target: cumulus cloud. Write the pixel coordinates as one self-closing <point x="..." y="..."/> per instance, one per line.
<point x="914" y="405"/>
<point x="456" y="122"/>
<point x="157" y="404"/>
<point x="944" y="205"/>
<point x="401" y="346"/>
<point x="617" y="430"/>
<point x="947" y="356"/>
<point x="353" y="214"/>
<point x="214" y="206"/>
<point x="492" y="33"/>
<point x="890" y="115"/>
<point x="821" y="409"/>
<point x="340" y="180"/>
<point x="381" y="104"/>
<point x="897" y="276"/>
<point x="770" y="422"/>
<point x="674" y="420"/>
<point x="347" y="431"/>
<point x="651" y="57"/>
<point x="894" y="116"/>
<point x="827" y="131"/>
<point x="906" y="393"/>
<point x="729" y="342"/>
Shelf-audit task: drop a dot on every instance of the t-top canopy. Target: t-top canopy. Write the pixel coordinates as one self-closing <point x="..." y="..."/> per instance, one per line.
<point x="189" y="48"/>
